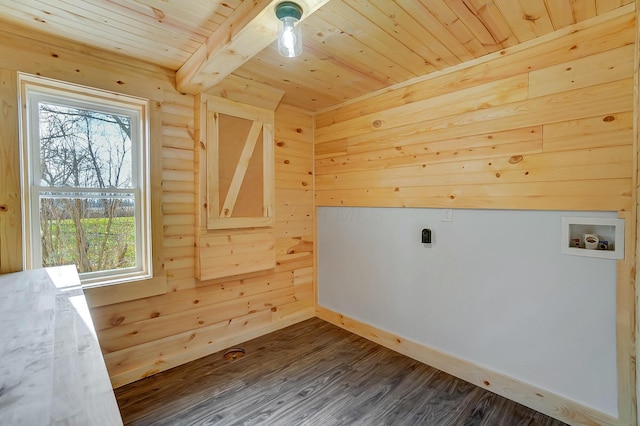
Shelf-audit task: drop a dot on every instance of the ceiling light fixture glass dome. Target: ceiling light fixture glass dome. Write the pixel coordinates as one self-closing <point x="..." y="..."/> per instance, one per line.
<point x="289" y="35"/>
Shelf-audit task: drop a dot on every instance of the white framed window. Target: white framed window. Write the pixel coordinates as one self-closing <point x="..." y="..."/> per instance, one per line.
<point x="86" y="198"/>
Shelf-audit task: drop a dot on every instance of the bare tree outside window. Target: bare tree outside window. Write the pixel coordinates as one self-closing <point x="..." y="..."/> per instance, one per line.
<point x="83" y="150"/>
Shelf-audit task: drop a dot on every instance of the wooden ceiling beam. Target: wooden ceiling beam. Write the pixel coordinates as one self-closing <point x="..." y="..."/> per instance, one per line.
<point x="252" y="27"/>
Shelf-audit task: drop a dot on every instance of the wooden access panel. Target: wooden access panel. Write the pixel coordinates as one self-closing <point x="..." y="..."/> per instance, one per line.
<point x="240" y="165"/>
<point x="235" y="233"/>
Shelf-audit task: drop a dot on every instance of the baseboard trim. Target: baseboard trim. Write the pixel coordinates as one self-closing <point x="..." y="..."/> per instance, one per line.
<point x="540" y="400"/>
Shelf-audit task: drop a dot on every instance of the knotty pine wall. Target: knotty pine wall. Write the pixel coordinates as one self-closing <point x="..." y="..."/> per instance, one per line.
<point x="548" y="127"/>
<point x="141" y="337"/>
<point x="185" y="319"/>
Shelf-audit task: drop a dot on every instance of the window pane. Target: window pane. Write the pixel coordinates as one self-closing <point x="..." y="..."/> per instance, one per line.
<point x="95" y="234"/>
<point x="84" y="149"/>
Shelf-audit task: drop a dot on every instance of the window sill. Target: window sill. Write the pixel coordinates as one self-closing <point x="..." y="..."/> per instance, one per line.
<point x="124" y="292"/>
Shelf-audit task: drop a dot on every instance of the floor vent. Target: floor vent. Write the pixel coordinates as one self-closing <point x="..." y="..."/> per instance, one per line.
<point x="233" y="354"/>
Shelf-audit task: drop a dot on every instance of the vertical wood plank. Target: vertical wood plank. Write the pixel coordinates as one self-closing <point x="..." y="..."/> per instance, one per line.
<point x="268" y="161"/>
<point x="629" y="409"/>
<point x="626" y="319"/>
<point x="10" y="194"/>
<point x="155" y="175"/>
<point x="212" y="151"/>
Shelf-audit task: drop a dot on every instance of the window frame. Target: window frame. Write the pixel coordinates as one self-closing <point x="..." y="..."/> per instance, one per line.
<point x="34" y="89"/>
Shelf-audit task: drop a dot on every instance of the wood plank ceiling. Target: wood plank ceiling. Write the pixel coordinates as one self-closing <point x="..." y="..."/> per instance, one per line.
<point x="351" y="47"/>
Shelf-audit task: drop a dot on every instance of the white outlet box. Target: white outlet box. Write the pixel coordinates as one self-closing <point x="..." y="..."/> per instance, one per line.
<point x="447" y="215"/>
<point x="609" y="229"/>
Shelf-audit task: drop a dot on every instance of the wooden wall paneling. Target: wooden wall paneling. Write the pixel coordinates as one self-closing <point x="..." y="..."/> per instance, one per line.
<point x="150" y="307"/>
<point x="574" y="104"/>
<point x="471" y="99"/>
<point x="610" y="65"/>
<point x="155" y="186"/>
<point x="10" y="191"/>
<point x="608" y="194"/>
<point x="590" y="132"/>
<point x="149" y="335"/>
<point x="147" y="359"/>
<point x="217" y="291"/>
<point x="152" y="329"/>
<point x="527" y="140"/>
<point x="233" y="252"/>
<point x="615" y="29"/>
<point x="626" y="320"/>
<point x="631" y="409"/>
<point x="143" y="360"/>
<point x="602" y="163"/>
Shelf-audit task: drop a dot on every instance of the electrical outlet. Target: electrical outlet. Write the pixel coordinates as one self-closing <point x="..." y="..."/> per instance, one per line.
<point x="447" y="215"/>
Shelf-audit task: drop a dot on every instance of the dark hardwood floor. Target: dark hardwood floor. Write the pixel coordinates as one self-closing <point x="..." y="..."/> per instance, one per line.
<point x="314" y="373"/>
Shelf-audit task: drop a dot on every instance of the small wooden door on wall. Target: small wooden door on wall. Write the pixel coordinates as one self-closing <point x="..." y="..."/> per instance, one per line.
<point x="237" y="183"/>
<point x="240" y="174"/>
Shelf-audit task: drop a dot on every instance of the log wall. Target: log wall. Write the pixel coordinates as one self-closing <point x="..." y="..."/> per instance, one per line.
<point x="146" y="327"/>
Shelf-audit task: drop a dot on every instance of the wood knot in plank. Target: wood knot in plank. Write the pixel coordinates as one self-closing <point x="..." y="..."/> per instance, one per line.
<point x="377" y="124"/>
<point x="608" y="118"/>
<point x="116" y="320"/>
<point x="4" y="208"/>
<point x="515" y="159"/>
<point x="159" y="14"/>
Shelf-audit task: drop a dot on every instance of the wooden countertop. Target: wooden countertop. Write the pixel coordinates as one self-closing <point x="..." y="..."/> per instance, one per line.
<point x="51" y="367"/>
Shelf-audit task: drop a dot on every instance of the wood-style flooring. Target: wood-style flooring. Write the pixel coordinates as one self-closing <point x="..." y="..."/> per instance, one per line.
<point x="314" y="373"/>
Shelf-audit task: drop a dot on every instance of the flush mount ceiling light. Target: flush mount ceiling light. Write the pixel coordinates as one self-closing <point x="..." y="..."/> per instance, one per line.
<point x="289" y="36"/>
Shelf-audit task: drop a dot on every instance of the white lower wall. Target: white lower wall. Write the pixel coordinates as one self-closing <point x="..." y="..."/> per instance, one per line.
<point x="493" y="288"/>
